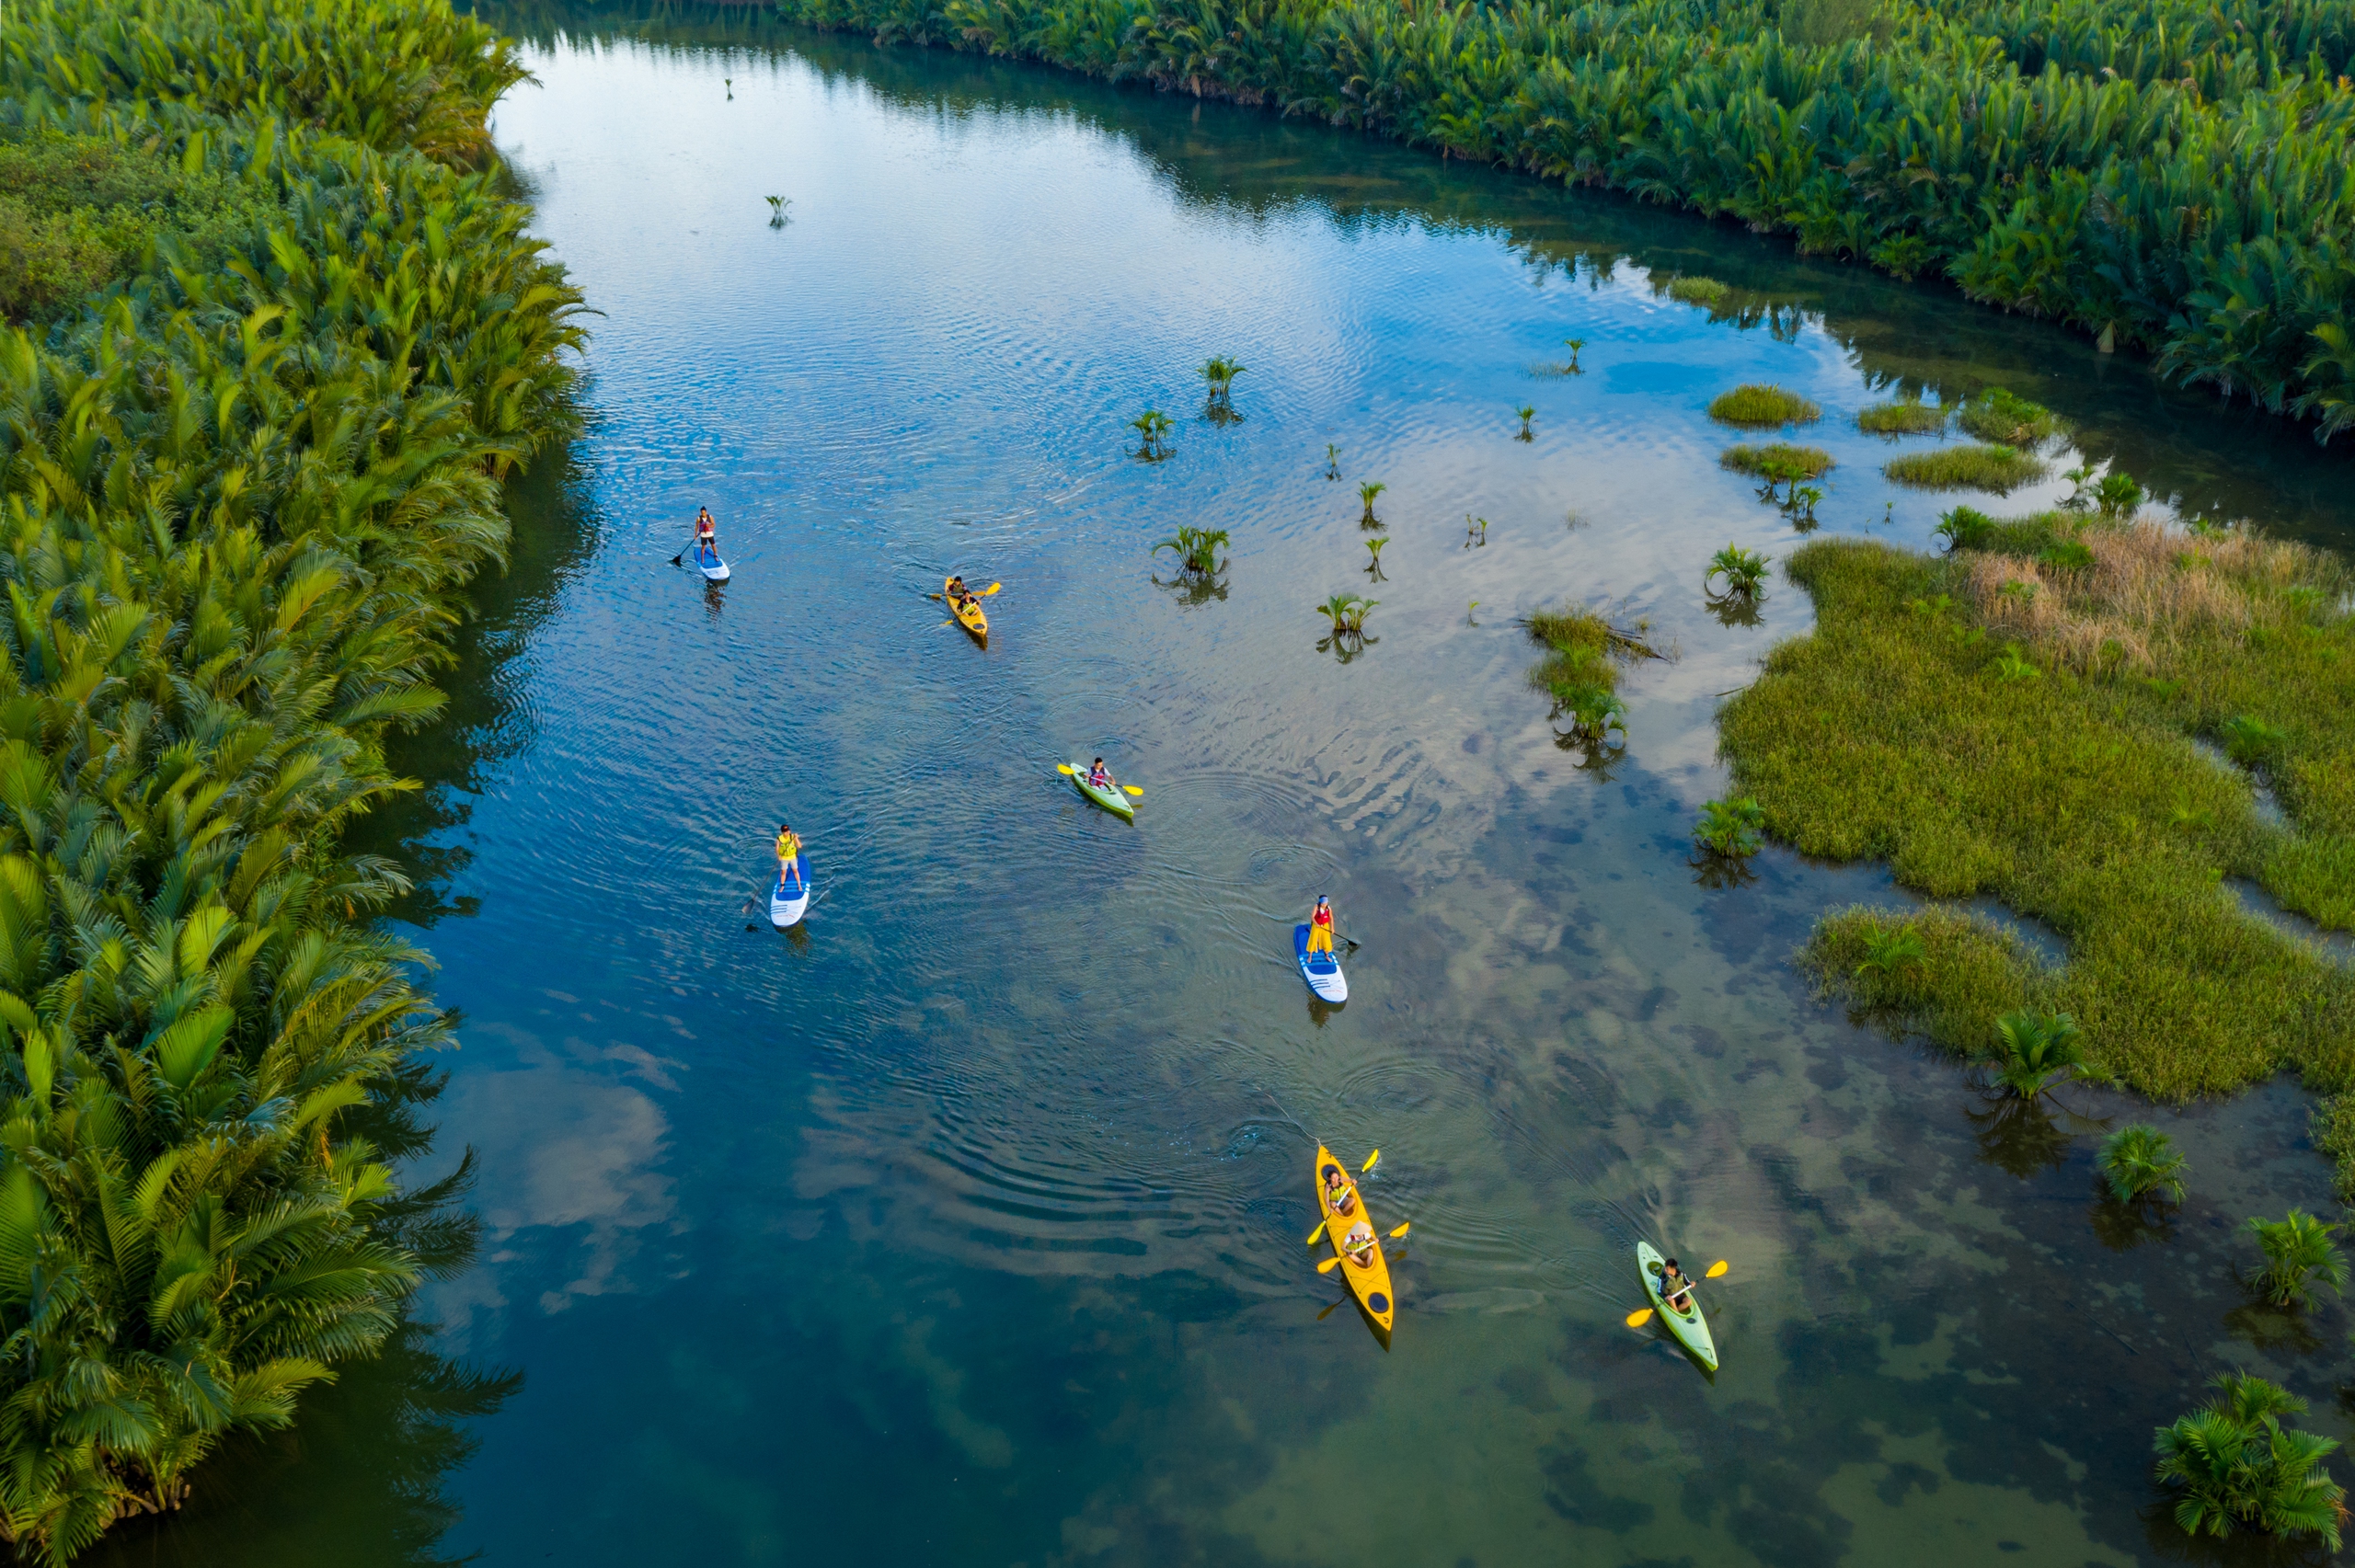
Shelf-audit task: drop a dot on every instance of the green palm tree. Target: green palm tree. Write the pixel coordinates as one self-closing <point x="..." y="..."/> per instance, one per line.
<point x="2139" y="1159"/>
<point x="1152" y="434"/>
<point x="2300" y="1255"/>
<point x="2236" y="1467"/>
<point x="1744" y="571"/>
<point x="2033" y="1050"/>
<point x="1892" y="955"/>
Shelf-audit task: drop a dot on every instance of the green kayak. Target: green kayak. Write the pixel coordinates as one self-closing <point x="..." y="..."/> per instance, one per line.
<point x="1690" y="1329"/>
<point x="1109" y="797"/>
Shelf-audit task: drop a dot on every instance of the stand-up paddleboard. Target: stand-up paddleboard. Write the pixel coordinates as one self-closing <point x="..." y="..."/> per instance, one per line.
<point x="1690" y="1329"/>
<point x="1321" y="970"/>
<point x="1109" y="797"/>
<point x="707" y="561"/>
<point x="790" y="896"/>
<point x="969" y="616"/>
<point x="1369" y="1281"/>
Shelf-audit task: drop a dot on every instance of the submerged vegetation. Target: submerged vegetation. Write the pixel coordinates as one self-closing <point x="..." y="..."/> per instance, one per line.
<point x="2044" y="166"/>
<point x="246" y="489"/>
<point x="1581" y="672"/>
<point x="1997" y="468"/>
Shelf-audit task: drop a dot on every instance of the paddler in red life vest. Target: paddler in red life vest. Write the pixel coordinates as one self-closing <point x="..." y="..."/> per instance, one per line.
<point x="1099" y="776"/>
<point x="706" y="536"/>
<point x="1320" y="927"/>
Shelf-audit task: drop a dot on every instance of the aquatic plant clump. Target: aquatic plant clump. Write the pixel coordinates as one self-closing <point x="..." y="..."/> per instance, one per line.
<point x="2064" y="201"/>
<point x="1907" y="416"/>
<point x="2138" y="1161"/>
<point x="1762" y="407"/>
<point x="2005" y="419"/>
<point x="1779" y="461"/>
<point x="1581" y="670"/>
<point x="2076" y="797"/>
<point x="2234" y="1466"/>
<point x="1997" y="468"/>
<point x="214" y="1047"/>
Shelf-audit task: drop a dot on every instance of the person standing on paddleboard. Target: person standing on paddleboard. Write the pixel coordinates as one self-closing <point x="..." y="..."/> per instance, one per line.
<point x="788" y="850"/>
<point x="1320" y="927"/>
<point x="706" y="536"/>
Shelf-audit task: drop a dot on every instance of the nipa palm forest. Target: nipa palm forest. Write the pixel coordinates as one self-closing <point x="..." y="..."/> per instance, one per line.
<point x="2173" y="176"/>
<point x="278" y="335"/>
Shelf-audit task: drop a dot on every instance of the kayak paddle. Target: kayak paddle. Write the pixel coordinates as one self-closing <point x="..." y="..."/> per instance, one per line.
<point x="1318" y="1231"/>
<point x="1402" y="1229"/>
<point x="1369" y="1161"/>
<point x="1716" y="1271"/>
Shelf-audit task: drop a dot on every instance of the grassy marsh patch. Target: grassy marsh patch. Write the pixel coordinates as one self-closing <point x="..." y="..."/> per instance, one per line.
<point x="1763" y="406"/>
<point x="1999" y="415"/>
<point x="1778" y="459"/>
<point x="1904" y="417"/>
<point x="1997" y="468"/>
<point x="1705" y="291"/>
<point x="2073" y="790"/>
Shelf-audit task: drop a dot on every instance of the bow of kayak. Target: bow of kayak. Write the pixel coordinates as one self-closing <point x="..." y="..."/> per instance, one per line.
<point x="1369" y="1281"/>
<point x="1321" y="970"/>
<point x="1690" y="1329"/>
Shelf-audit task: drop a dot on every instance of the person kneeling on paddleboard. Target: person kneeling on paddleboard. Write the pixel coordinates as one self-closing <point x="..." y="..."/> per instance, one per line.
<point x="1359" y="1243"/>
<point x="788" y="850"/>
<point x="1337" y="1196"/>
<point x="1320" y="927"/>
<point x="1099" y="777"/>
<point x="1675" y="1288"/>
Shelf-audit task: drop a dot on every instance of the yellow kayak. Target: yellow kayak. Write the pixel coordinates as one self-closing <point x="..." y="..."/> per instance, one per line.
<point x="1369" y="1281"/>
<point x="969" y="615"/>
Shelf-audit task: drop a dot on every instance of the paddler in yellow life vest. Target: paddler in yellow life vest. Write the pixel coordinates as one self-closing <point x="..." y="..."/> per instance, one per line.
<point x="1320" y="927"/>
<point x="788" y="850"/>
<point x="1337" y="1196"/>
<point x="1359" y="1245"/>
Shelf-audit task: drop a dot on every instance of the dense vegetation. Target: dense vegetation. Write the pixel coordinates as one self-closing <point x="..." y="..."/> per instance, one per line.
<point x="2168" y="176"/>
<point x="243" y="488"/>
<point x="2023" y="718"/>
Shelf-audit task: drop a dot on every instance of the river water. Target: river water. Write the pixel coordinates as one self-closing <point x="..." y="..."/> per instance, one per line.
<point x="964" y="1224"/>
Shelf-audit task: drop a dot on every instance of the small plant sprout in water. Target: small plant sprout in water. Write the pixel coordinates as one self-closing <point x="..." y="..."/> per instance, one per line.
<point x="1730" y="830"/>
<point x="1366" y="492"/>
<point x="1574" y="345"/>
<point x="778" y="217"/>
<point x="1373" y="548"/>
<point x="1744" y="571"/>
<point x="2298" y="1257"/>
<point x="1527" y="411"/>
<point x="1475" y="531"/>
<point x="1802" y="505"/>
<point x="2139" y="1162"/>
<point x="1332" y="461"/>
<point x="1197" y="550"/>
<point x="1152" y="435"/>
<point x="2033" y="1050"/>
<point x="1471" y="613"/>
<point x="1887" y="513"/>
<point x="1346" y="614"/>
<point x="2118" y="496"/>
<point x="2234" y="1466"/>
<point x="1218" y="373"/>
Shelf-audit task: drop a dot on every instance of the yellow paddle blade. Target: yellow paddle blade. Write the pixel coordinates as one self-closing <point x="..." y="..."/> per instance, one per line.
<point x="1369" y="1161"/>
<point x="1328" y="1265"/>
<point x="1637" y="1320"/>
<point x="1134" y="790"/>
<point x="1402" y="1229"/>
<point x="987" y="591"/>
<point x="1066" y="768"/>
<point x="1717" y="1269"/>
<point x="1318" y="1231"/>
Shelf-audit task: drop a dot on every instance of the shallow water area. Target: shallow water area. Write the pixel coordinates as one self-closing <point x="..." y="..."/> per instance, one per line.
<point x="964" y="1223"/>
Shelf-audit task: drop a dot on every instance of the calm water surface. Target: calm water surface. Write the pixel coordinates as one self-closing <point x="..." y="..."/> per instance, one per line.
<point x="964" y="1225"/>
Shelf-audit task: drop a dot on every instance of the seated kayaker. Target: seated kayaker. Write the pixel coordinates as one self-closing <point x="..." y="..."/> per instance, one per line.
<point x="1359" y="1245"/>
<point x="956" y="590"/>
<point x="1320" y="927"/>
<point x="1338" y="1195"/>
<point x="1099" y="777"/>
<point x="788" y="852"/>
<point x="1675" y="1288"/>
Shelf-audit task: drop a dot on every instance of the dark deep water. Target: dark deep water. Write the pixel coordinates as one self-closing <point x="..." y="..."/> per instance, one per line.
<point x="964" y="1225"/>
